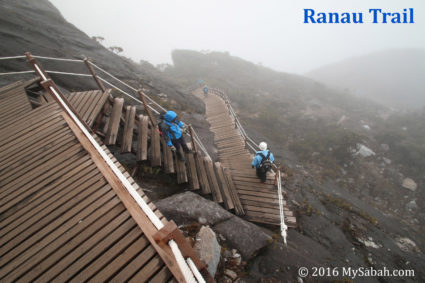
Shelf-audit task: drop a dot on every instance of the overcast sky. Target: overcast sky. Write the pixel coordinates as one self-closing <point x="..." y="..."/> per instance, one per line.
<point x="268" y="32"/>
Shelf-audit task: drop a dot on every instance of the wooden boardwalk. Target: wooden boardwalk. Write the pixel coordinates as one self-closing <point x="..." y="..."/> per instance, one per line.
<point x="259" y="201"/>
<point x="60" y="219"/>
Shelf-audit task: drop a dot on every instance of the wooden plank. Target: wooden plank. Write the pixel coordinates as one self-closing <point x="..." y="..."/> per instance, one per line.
<point x="234" y="194"/>
<point x="50" y="199"/>
<point x="190" y="161"/>
<point x="34" y="159"/>
<point x="88" y="100"/>
<point x="202" y="175"/>
<point x="212" y="179"/>
<point x="135" y="211"/>
<point x="181" y="169"/>
<point x="270" y="204"/>
<point x="125" y="257"/>
<point x="167" y="155"/>
<point x="112" y="252"/>
<point x="162" y="276"/>
<point x="256" y="185"/>
<point x="18" y="154"/>
<point x="260" y="195"/>
<point x="99" y="110"/>
<point x="56" y="265"/>
<point x="155" y="147"/>
<point x="114" y="123"/>
<point x="130" y="116"/>
<point x="92" y="246"/>
<point x="52" y="231"/>
<point x="142" y="140"/>
<point x="128" y="271"/>
<point x="228" y="204"/>
<point x="148" y="270"/>
<point x="30" y="183"/>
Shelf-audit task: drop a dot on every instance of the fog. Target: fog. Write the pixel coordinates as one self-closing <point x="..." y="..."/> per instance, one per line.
<point x="271" y="33"/>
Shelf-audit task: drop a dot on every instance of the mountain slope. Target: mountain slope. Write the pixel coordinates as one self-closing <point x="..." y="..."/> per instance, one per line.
<point x="38" y="27"/>
<point x="394" y="77"/>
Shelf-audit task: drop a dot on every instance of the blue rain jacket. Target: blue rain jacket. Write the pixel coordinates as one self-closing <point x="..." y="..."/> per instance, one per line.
<point x="175" y="132"/>
<point x="258" y="158"/>
<point x="205" y="90"/>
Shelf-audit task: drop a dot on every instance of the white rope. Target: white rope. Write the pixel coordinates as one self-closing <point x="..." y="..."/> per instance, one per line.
<point x="126" y="93"/>
<point x="142" y="204"/>
<point x="69" y="74"/>
<point x="283" y="227"/>
<point x="58" y="59"/>
<point x="12" y="57"/>
<point x="127" y="85"/>
<point x="15" y="73"/>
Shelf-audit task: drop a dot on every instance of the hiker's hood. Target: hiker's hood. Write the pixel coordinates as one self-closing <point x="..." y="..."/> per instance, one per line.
<point x="170" y="116"/>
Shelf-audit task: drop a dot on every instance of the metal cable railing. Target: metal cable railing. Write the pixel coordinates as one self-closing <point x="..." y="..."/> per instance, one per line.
<point x="153" y="102"/>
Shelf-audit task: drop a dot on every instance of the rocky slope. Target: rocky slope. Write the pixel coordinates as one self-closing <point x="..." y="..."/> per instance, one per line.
<point x="348" y="160"/>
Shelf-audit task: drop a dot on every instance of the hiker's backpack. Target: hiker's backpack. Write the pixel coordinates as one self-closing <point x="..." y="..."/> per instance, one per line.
<point x="265" y="164"/>
<point x="164" y="128"/>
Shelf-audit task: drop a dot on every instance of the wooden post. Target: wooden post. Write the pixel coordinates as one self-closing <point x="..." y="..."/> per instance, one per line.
<point x="148" y="111"/>
<point x="193" y="140"/>
<point x="93" y="73"/>
<point x="48" y="84"/>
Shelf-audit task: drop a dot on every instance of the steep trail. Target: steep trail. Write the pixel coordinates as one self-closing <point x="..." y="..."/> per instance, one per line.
<point x="260" y="201"/>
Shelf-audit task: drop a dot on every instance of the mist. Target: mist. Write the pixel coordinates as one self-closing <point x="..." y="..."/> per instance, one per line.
<point x="270" y="33"/>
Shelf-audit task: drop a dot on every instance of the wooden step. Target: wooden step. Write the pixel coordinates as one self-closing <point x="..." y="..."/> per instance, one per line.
<point x="212" y="179"/>
<point x="142" y="139"/>
<point x="224" y="187"/>
<point x="130" y="117"/>
<point x="114" y="123"/>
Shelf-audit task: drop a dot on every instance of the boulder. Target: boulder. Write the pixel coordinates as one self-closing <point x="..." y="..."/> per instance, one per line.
<point x="407" y="245"/>
<point x="246" y="237"/>
<point x="189" y="207"/>
<point x="409" y="184"/>
<point x="364" y="151"/>
<point x="208" y="249"/>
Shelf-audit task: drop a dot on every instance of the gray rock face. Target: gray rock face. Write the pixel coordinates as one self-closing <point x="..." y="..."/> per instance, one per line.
<point x="208" y="249"/>
<point x="244" y="236"/>
<point x="189" y="207"/>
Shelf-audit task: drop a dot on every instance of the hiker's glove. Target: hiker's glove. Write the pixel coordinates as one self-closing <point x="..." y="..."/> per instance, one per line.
<point x="173" y="148"/>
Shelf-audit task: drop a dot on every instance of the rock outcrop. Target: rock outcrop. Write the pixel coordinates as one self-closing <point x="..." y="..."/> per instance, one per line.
<point x="189" y="207"/>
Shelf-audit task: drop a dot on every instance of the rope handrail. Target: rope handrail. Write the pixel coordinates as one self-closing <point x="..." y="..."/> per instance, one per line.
<point x="12" y="57"/>
<point x="283" y="227"/>
<point x="127" y="85"/>
<point x="126" y="93"/>
<point x="68" y="74"/>
<point x="58" y="59"/>
<point x="16" y="73"/>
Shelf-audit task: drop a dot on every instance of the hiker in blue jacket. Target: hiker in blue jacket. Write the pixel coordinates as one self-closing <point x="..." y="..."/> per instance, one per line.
<point x="263" y="161"/>
<point x="205" y="91"/>
<point x="171" y="129"/>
